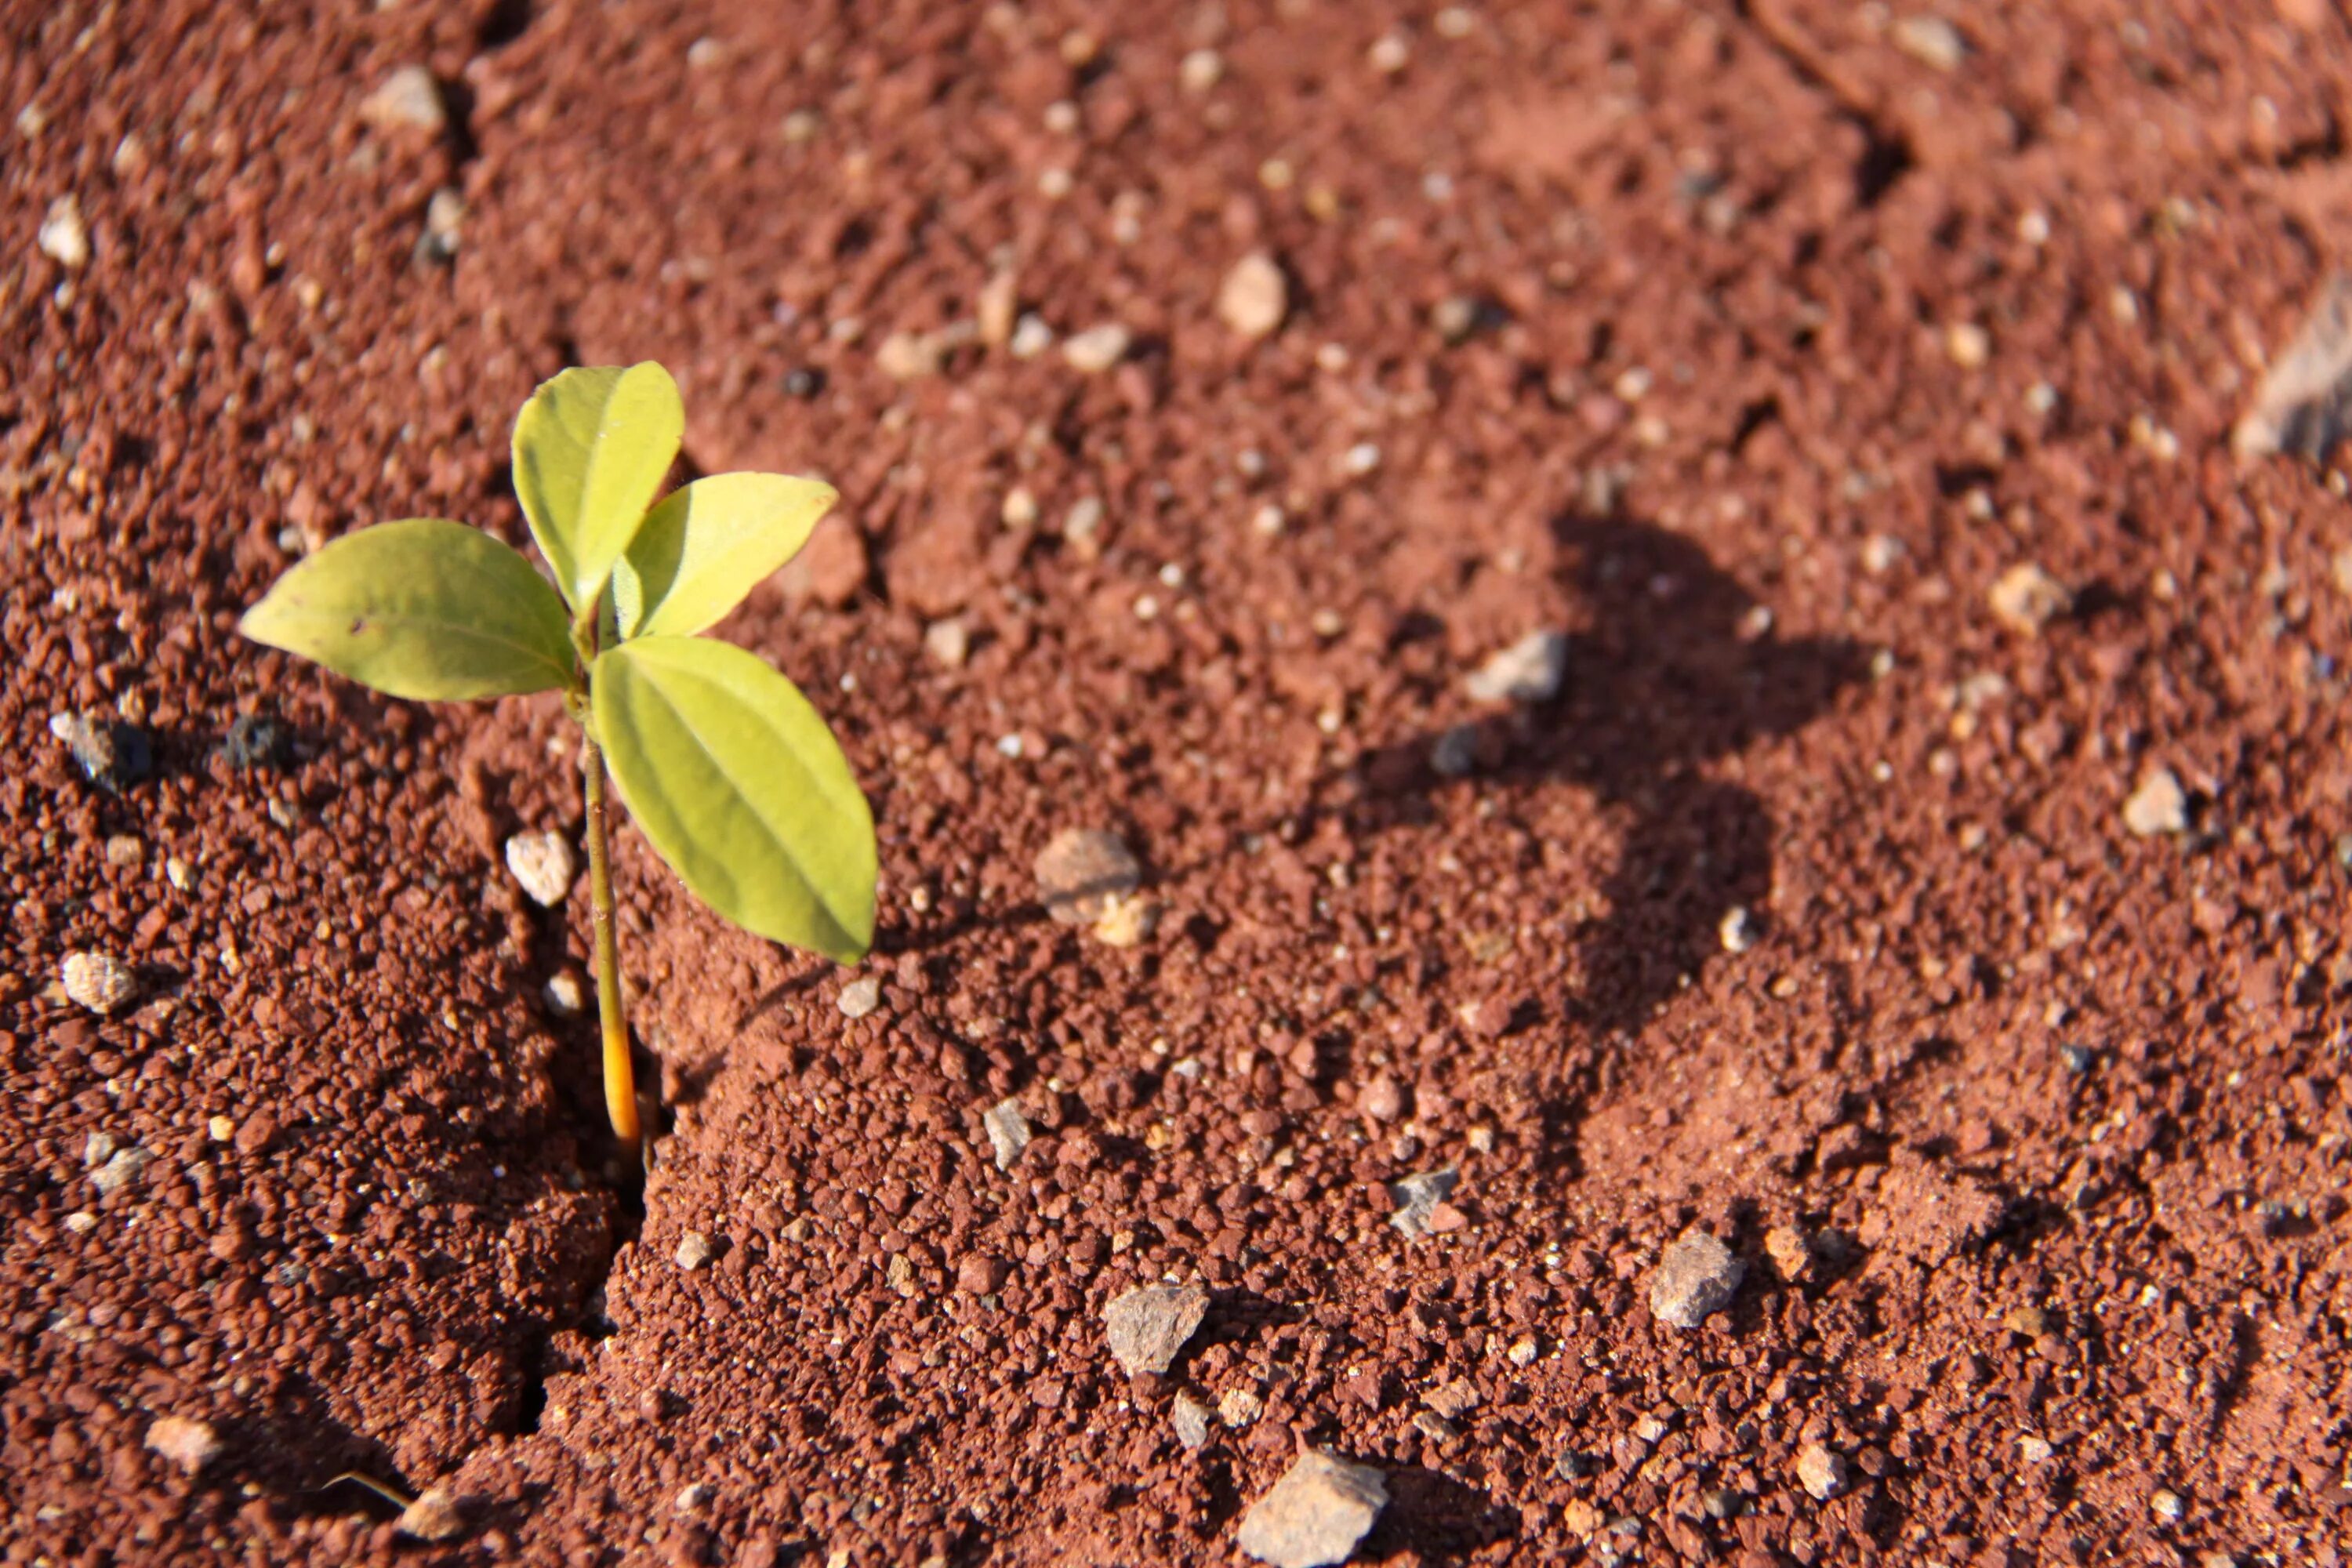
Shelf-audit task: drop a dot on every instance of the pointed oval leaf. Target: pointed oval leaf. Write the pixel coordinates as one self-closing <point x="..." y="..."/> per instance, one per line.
<point x="707" y="544"/>
<point x="590" y="450"/>
<point x="424" y="608"/>
<point x="739" y="787"/>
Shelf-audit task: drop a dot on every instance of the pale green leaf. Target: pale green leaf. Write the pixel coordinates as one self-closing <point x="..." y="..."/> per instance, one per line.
<point x="590" y="450"/>
<point x="424" y="608"/>
<point x="707" y="544"/>
<point x="737" y="782"/>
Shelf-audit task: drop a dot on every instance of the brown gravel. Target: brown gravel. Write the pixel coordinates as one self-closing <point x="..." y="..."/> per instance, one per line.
<point x="1795" y="336"/>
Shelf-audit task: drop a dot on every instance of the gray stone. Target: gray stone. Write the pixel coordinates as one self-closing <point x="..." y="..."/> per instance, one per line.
<point x="1695" y="1278"/>
<point x="1191" y="1418"/>
<point x="111" y="754"/>
<point x="1530" y="670"/>
<point x="860" y="997"/>
<point x="1316" y="1515"/>
<point x="1084" y="872"/>
<point x="1419" y="1198"/>
<point x="2305" y="404"/>
<point x="1148" y="1327"/>
<point x="1008" y="1132"/>
<point x="120" y="1170"/>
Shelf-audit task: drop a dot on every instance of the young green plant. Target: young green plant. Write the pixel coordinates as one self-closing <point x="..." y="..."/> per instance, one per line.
<point x="728" y="769"/>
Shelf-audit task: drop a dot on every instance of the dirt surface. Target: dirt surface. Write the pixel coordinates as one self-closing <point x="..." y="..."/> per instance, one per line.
<point x="1754" y="348"/>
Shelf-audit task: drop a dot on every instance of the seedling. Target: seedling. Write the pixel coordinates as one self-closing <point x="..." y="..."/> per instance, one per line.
<point x="731" y="773"/>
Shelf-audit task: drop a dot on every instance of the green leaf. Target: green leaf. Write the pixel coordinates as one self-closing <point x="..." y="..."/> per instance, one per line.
<point x="590" y="450"/>
<point x="707" y="544"/>
<point x="738" y="784"/>
<point x="425" y="609"/>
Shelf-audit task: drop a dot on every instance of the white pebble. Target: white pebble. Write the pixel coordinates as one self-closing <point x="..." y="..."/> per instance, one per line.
<point x="1098" y="349"/>
<point x="544" y="864"/>
<point x="860" y="997"/>
<point x="98" y="980"/>
<point x="63" y="237"/>
<point x="2159" y="805"/>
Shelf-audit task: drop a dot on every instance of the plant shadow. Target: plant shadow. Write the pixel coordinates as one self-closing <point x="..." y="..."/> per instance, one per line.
<point x="1672" y="667"/>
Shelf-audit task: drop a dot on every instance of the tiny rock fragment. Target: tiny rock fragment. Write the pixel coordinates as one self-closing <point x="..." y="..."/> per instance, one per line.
<point x="408" y="99"/>
<point x="1791" y="1252"/>
<point x="999" y="309"/>
<point x="111" y="754"/>
<point x="435" y="1515"/>
<point x="1733" y="931"/>
<point x="1454" y="753"/>
<point x="98" y="980"/>
<point x="979" y="1273"/>
<point x="948" y="642"/>
<point x="1082" y="871"/>
<point x="1382" y="1099"/>
<point x="1930" y="41"/>
<point x="2026" y="598"/>
<point x="1254" y="297"/>
<point x="1191" y="1418"/>
<point x="1237" y="1407"/>
<point x="1149" y="1326"/>
<point x="81" y="1222"/>
<point x="1435" y="1428"/>
<point x="1008" y="1132"/>
<point x="62" y="237"/>
<point x="2304" y="404"/>
<point x="1456" y="317"/>
<point x="1822" y="1471"/>
<point x="2167" y="1505"/>
<point x="1453" y="1400"/>
<point x="119" y="1170"/>
<point x="1127" y="922"/>
<point x="1695" y="1278"/>
<point x="1031" y="337"/>
<point x="1097" y="349"/>
<point x="693" y="1498"/>
<point x="544" y="864"/>
<point x="907" y="356"/>
<point x="1530" y="670"/>
<point x="257" y="740"/>
<point x="445" y="227"/>
<point x="1421" y="1209"/>
<point x="2159" y="805"/>
<point x="190" y="1445"/>
<point x="1201" y="71"/>
<point x="2034" y="1450"/>
<point x="694" y="1250"/>
<point x="1316" y="1515"/>
<point x="566" y="994"/>
<point x="860" y="997"/>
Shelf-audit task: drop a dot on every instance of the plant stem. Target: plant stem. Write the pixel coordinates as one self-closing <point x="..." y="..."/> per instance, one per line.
<point x="611" y="1007"/>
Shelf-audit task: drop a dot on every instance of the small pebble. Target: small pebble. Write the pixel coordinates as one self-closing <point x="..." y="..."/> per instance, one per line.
<point x="409" y="100"/>
<point x="1127" y="922"/>
<point x="1359" y="459"/>
<point x="998" y="307"/>
<point x="1191" y="1418"/>
<point x="693" y="1498"/>
<point x="1316" y="1515"/>
<point x="1097" y="349"/>
<point x="1237" y="1407"/>
<point x="1733" y="932"/>
<point x="81" y="1222"/>
<point x="2159" y="805"/>
<point x="188" y="1444"/>
<point x="1031" y="337"/>
<point x="1454" y="753"/>
<point x="1456" y="317"/>
<point x="1389" y="54"/>
<point x="2034" y="1450"/>
<point x="566" y="994"/>
<point x="907" y="356"/>
<point x="2167" y="1506"/>
<point x="1930" y="41"/>
<point x="1201" y="71"/>
<point x="111" y="754"/>
<point x="860" y="997"/>
<point x="98" y="980"/>
<point x="948" y="642"/>
<point x="1969" y="344"/>
<point x="257" y="740"/>
<point x="1697" y="1277"/>
<point x="62" y="237"/>
<point x="1254" y="297"/>
<point x="1082" y="871"/>
<point x="435" y="1515"/>
<point x="120" y="1170"/>
<point x="1791" y="1251"/>
<point x="1421" y="1209"/>
<point x="1822" y="1471"/>
<point x="1382" y="1099"/>
<point x="544" y="864"/>
<point x="1008" y="1132"/>
<point x="444" y="227"/>
<point x="1149" y="1326"/>
<point x="1530" y="670"/>
<point x="694" y="1250"/>
<point x="2025" y="598"/>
